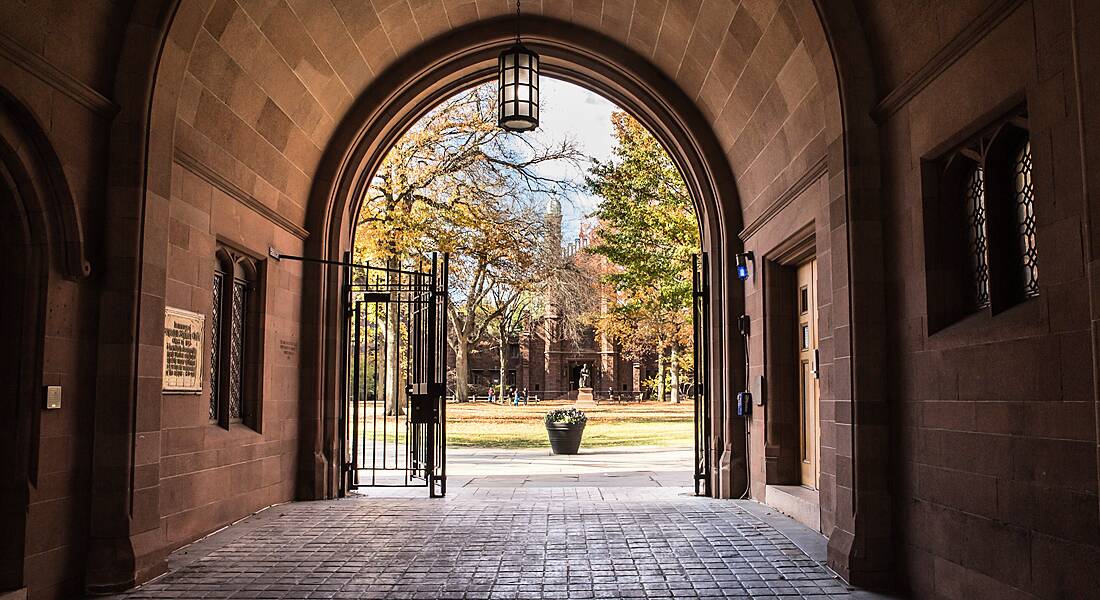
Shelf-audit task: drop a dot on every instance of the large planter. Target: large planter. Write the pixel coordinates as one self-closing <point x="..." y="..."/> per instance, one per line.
<point x="565" y="438"/>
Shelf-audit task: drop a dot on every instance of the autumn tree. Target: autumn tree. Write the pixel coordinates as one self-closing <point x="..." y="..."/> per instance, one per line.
<point x="510" y="303"/>
<point x="492" y="255"/>
<point x="455" y="182"/>
<point x="648" y="232"/>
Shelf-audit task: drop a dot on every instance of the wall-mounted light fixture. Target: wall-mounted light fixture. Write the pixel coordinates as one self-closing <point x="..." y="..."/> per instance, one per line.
<point x="742" y="260"/>
<point x="518" y="86"/>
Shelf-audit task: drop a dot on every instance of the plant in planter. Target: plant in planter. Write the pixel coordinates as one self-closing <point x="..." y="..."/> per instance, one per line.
<point x="564" y="427"/>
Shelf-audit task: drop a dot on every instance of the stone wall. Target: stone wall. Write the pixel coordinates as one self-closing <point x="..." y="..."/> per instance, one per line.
<point x="57" y="69"/>
<point x="209" y="475"/>
<point x="956" y="461"/>
<point x="995" y="472"/>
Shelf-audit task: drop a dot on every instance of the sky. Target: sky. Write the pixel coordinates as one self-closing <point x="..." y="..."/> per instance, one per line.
<point x="570" y="111"/>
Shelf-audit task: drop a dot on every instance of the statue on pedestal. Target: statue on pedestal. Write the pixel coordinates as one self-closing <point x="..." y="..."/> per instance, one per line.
<point x="584" y="376"/>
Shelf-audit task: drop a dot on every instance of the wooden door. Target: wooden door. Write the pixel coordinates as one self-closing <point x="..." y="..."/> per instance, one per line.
<point x="809" y="423"/>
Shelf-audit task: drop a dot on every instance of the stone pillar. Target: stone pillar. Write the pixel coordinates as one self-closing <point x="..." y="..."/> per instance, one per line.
<point x="553" y="364"/>
<point x="607" y="363"/>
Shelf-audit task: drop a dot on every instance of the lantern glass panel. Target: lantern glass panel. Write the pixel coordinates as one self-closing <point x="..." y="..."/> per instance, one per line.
<point x="518" y="89"/>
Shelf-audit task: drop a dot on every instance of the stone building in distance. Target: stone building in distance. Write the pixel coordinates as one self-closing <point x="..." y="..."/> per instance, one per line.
<point x="548" y="365"/>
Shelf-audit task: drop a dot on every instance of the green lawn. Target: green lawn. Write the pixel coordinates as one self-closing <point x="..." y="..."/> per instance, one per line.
<point x="480" y="424"/>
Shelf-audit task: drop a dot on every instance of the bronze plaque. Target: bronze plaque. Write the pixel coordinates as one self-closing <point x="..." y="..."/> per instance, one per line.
<point x="183" y="334"/>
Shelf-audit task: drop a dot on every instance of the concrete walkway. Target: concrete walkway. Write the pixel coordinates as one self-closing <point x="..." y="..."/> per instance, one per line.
<point x="639" y="466"/>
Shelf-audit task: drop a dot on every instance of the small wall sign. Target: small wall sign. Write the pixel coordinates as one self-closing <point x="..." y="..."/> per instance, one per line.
<point x="289" y="347"/>
<point x="53" y="397"/>
<point x="183" y="335"/>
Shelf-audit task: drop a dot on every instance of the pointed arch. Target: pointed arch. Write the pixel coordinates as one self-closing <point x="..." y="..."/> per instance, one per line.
<point x="36" y="171"/>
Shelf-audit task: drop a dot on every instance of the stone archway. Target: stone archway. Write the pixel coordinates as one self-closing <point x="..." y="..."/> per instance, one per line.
<point x="156" y="94"/>
<point x="460" y="59"/>
<point x="38" y="226"/>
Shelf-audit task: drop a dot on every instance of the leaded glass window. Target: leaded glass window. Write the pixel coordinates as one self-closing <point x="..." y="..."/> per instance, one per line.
<point x="233" y="321"/>
<point x="215" y="342"/>
<point x="980" y="224"/>
<point x="236" y="348"/>
<point x="977" y="229"/>
<point x="1024" y="192"/>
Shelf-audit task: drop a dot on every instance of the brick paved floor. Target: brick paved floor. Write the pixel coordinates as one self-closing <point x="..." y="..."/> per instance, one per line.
<point x="490" y="543"/>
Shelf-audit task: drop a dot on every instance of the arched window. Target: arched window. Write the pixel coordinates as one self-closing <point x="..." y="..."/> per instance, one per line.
<point x="233" y="315"/>
<point x="980" y="224"/>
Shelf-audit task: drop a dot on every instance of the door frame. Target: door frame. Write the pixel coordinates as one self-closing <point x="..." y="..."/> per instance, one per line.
<point x="781" y="411"/>
<point x="808" y="448"/>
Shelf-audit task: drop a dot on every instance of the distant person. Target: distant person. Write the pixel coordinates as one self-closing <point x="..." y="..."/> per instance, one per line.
<point x="525" y="396"/>
<point x="514" y="393"/>
<point x="490" y="393"/>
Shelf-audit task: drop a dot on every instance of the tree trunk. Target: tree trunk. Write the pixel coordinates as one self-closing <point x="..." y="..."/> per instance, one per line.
<point x="503" y="367"/>
<point x="674" y="367"/>
<point x="462" y="370"/>
<point x="394" y="376"/>
<point x="661" y="376"/>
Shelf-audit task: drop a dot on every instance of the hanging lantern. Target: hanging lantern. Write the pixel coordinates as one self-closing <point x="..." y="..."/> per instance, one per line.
<point x="518" y="96"/>
<point x="518" y="86"/>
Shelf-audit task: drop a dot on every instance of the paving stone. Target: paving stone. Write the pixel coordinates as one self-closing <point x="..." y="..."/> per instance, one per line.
<point x="496" y="543"/>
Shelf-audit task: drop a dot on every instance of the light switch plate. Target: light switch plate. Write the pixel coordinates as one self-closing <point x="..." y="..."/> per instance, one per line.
<point x="53" y="397"/>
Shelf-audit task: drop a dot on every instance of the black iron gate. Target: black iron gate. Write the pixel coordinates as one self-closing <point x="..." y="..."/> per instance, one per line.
<point x="700" y="319"/>
<point x="394" y="413"/>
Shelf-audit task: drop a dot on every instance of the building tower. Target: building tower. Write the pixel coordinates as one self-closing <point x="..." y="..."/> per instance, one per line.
<point x="553" y="228"/>
<point x="553" y="367"/>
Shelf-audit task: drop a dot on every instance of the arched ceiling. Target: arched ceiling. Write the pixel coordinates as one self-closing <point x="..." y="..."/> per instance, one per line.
<point x="268" y="82"/>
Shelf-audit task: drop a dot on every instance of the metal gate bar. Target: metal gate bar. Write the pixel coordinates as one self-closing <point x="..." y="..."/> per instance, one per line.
<point x="370" y="294"/>
<point x="700" y="320"/>
<point x="394" y="410"/>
